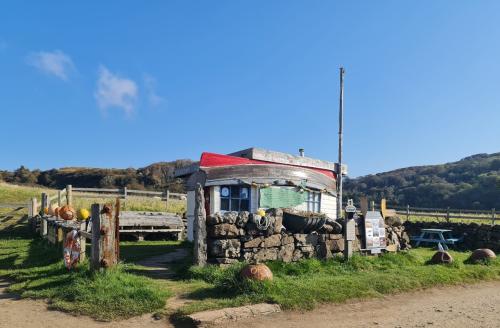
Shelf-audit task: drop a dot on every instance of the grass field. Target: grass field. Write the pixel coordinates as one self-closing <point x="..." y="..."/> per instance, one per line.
<point x="22" y="195"/>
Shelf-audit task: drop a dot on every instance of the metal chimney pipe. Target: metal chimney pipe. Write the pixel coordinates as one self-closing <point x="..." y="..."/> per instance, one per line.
<point x="301" y="152"/>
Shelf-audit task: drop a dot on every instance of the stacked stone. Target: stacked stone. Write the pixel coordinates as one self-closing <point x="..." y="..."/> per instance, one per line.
<point x="397" y="237"/>
<point x="244" y="236"/>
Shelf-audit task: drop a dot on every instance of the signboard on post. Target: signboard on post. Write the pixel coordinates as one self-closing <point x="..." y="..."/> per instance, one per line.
<point x="375" y="232"/>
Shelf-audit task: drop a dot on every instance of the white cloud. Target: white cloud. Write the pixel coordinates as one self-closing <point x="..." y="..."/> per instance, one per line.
<point x="114" y="91"/>
<point x="55" y="63"/>
<point x="150" y="86"/>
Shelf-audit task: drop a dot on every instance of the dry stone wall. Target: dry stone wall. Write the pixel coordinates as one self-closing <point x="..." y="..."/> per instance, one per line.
<point x="474" y="235"/>
<point x="244" y="236"/>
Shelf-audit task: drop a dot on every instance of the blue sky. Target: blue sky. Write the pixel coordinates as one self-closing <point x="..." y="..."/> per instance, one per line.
<point x="125" y="84"/>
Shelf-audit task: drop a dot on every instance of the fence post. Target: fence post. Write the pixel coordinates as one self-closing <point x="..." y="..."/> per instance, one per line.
<point x="69" y="195"/>
<point x="492" y="216"/>
<point x="166" y="200"/>
<point x="372" y="205"/>
<point x="407" y="212"/>
<point x="448" y="214"/>
<point x="103" y="237"/>
<point x="200" y="227"/>
<point x="33" y="207"/>
<point x="43" y="223"/>
<point x="125" y="193"/>
<point x="59" y="198"/>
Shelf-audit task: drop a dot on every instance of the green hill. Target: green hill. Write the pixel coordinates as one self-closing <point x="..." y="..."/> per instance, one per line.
<point x="470" y="183"/>
<point x="157" y="176"/>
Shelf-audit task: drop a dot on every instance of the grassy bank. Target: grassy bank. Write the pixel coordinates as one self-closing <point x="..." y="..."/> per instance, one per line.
<point x="22" y="194"/>
<point x="304" y="284"/>
<point x="38" y="272"/>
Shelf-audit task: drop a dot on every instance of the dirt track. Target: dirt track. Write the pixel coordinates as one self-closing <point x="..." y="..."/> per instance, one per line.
<point x="459" y="306"/>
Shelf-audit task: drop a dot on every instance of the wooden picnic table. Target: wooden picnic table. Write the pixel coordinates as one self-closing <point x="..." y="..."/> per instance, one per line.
<point x="435" y="236"/>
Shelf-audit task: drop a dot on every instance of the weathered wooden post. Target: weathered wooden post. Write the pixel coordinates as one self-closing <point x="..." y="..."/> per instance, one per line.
<point x="103" y="237"/>
<point x="59" y="198"/>
<point x="69" y="195"/>
<point x="407" y="212"/>
<point x="43" y="223"/>
<point x="448" y="214"/>
<point x="33" y="207"/>
<point x="125" y="193"/>
<point x="200" y="227"/>
<point x="166" y="199"/>
<point x="492" y="216"/>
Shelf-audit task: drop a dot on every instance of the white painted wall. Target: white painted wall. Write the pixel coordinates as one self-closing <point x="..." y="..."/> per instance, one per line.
<point x="190" y="214"/>
<point x="328" y="205"/>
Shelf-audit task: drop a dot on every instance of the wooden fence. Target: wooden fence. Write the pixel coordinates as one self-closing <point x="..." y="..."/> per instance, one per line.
<point x="66" y="195"/>
<point x="104" y="236"/>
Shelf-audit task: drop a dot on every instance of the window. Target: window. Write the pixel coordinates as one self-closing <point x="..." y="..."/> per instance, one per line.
<point x="234" y="198"/>
<point x="313" y="201"/>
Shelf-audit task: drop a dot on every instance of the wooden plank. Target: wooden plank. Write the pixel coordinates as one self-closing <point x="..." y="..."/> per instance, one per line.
<point x="83" y="195"/>
<point x="149" y="231"/>
<point x="145" y="192"/>
<point x="97" y="190"/>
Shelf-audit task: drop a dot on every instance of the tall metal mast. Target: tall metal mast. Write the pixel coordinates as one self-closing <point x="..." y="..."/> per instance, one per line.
<point x="341" y="122"/>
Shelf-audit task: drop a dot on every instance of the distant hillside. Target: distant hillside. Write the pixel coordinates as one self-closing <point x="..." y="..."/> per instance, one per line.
<point x="471" y="183"/>
<point x="157" y="176"/>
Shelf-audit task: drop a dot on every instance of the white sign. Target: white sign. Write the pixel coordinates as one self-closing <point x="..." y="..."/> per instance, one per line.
<point x="375" y="231"/>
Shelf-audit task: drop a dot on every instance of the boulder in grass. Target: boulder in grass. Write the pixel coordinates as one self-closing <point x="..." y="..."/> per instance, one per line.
<point x="259" y="272"/>
<point x="441" y="257"/>
<point x="481" y="255"/>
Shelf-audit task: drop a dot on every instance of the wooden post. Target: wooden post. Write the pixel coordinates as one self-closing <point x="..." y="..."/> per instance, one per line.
<point x="33" y="207"/>
<point x="372" y="205"/>
<point x="59" y="198"/>
<point x="83" y="243"/>
<point x="103" y="237"/>
<point x="166" y="199"/>
<point x="363" y="202"/>
<point x="448" y="214"/>
<point x="492" y="216"/>
<point x="43" y="223"/>
<point x="125" y="193"/>
<point x="200" y="227"/>
<point x="408" y="212"/>
<point x="69" y="195"/>
<point x="117" y="229"/>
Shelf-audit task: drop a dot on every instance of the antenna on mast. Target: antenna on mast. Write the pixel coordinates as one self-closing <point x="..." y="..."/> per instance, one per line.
<point x="341" y="123"/>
